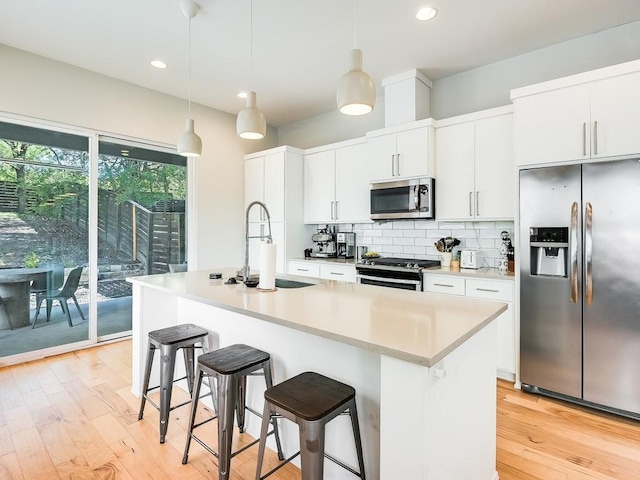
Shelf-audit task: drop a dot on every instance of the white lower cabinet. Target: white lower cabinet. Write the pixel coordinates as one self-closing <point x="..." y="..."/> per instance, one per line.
<point x="328" y="270"/>
<point x="304" y="269"/>
<point x="342" y="273"/>
<point x="488" y="289"/>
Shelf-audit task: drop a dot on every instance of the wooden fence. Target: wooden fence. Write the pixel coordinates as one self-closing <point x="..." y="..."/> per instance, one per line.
<point x="153" y="238"/>
<point x="9" y="197"/>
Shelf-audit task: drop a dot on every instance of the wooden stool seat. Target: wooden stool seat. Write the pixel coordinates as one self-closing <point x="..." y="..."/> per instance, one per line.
<point x="311" y="400"/>
<point x="233" y="359"/>
<point x="310" y="396"/>
<point x="230" y="367"/>
<point x="177" y="334"/>
<point x="169" y="340"/>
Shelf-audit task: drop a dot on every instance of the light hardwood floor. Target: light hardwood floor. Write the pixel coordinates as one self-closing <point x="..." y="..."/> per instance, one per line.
<point x="73" y="417"/>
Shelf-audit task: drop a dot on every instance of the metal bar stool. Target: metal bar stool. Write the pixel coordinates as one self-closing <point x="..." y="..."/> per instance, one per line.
<point x="230" y="366"/>
<point x="168" y="341"/>
<point x="311" y="400"/>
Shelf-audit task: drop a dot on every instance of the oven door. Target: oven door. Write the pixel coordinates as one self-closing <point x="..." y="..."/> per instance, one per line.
<point x="402" y="283"/>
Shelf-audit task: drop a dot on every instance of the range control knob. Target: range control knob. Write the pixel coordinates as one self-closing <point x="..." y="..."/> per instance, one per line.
<point x="409" y="265"/>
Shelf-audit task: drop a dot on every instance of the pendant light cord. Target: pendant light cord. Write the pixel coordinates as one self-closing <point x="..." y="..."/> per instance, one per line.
<point x="189" y="64"/>
<point x="251" y="44"/>
<point x="355" y="26"/>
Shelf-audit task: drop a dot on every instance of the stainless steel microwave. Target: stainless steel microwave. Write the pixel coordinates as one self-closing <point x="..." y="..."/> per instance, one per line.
<point x="412" y="198"/>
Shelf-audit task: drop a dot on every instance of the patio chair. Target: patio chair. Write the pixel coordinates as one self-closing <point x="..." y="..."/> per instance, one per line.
<point x="63" y="295"/>
<point x="3" y="302"/>
<point x="48" y="282"/>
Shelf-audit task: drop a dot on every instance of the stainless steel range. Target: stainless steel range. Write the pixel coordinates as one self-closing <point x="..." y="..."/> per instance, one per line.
<point x="405" y="273"/>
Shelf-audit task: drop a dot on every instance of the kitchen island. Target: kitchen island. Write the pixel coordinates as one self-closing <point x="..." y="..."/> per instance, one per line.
<point x="423" y="365"/>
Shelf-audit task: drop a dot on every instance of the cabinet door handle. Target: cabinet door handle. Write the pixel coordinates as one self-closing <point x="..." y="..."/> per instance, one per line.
<point x="491" y="290"/>
<point x="302" y="270"/>
<point x="337" y="216"/>
<point x="398" y="164"/>
<point x="393" y="165"/>
<point x="442" y="285"/>
<point x="477" y="203"/>
<point x="336" y="273"/>
<point x="471" y="204"/>
<point x="595" y="138"/>
<point x="584" y="139"/>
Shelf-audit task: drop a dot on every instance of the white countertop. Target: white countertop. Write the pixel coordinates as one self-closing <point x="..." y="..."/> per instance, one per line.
<point x="417" y="327"/>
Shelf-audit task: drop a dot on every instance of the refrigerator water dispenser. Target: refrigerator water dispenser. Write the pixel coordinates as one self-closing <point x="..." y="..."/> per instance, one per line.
<point x="549" y="247"/>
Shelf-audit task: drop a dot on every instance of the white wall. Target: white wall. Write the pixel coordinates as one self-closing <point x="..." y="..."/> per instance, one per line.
<point x="46" y="90"/>
<point x="482" y="88"/>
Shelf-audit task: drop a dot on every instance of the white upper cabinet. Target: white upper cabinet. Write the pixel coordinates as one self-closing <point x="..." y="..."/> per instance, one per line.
<point x="319" y="186"/>
<point x="276" y="177"/>
<point x="336" y="184"/>
<point x="401" y="151"/>
<point x="352" y="184"/>
<point x="264" y="181"/>
<point x="475" y="166"/>
<point x="585" y="116"/>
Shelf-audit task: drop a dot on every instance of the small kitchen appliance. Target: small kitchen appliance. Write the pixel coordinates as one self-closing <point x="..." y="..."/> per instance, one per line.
<point x="346" y="244"/>
<point x="324" y="243"/>
<point x="412" y="198"/>
<point x="470" y="258"/>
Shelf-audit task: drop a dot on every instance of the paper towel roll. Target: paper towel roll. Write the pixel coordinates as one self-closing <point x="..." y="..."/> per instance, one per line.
<point x="267" y="266"/>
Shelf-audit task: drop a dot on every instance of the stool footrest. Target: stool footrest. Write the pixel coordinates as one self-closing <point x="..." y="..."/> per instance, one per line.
<point x="233" y="454"/>
<point x="279" y="466"/>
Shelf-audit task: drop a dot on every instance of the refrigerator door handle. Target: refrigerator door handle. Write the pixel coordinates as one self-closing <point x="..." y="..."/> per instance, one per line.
<point x="573" y="243"/>
<point x="588" y="250"/>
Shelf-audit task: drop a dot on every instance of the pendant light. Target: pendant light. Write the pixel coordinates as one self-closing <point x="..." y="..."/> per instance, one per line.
<point x="189" y="144"/>
<point x="251" y="123"/>
<point x="356" y="94"/>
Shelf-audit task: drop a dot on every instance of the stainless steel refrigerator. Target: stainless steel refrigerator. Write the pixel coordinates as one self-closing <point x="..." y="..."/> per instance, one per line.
<point x="580" y="283"/>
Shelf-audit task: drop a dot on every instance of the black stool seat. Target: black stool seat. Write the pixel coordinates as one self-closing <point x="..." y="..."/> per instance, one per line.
<point x="229" y="366"/>
<point x="169" y="340"/>
<point x="177" y="334"/>
<point x="310" y="396"/>
<point x="231" y="360"/>
<point x="311" y="400"/>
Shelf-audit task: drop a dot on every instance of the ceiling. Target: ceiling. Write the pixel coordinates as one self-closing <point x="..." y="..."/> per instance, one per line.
<point x="300" y="47"/>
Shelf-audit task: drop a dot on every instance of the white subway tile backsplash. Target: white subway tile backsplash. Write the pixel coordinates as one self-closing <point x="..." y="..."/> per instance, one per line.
<point x="415" y="239"/>
<point x="414" y="233"/>
<point x="404" y="225"/>
<point x="382" y="226"/>
<point x="392" y="233"/>
<point x="403" y="241"/>
<point x="415" y="250"/>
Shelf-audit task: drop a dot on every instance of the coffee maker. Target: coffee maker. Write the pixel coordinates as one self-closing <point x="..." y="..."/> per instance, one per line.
<point x="324" y="243"/>
<point x="346" y="244"/>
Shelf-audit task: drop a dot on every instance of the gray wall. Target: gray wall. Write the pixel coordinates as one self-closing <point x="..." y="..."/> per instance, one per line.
<point x="481" y="88"/>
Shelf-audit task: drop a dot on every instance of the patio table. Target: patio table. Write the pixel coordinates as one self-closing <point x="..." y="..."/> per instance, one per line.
<point x="15" y="283"/>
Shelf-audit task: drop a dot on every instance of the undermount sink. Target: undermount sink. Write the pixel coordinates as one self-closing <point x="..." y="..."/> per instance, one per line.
<point x="282" y="283"/>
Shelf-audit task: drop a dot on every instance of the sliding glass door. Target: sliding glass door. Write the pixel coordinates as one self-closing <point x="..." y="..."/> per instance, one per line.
<point x="43" y="239"/>
<point x="141" y="223"/>
<point x="78" y="215"/>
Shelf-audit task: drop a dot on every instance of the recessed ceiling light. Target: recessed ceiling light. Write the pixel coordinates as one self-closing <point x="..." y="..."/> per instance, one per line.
<point x="242" y="94"/>
<point x="159" y="64"/>
<point x="426" y="13"/>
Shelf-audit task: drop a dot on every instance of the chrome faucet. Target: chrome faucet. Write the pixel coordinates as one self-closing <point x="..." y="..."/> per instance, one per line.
<point x="245" y="269"/>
